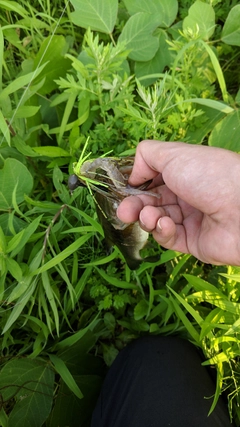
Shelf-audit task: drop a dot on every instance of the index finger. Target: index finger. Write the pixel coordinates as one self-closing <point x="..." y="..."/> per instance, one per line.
<point x="150" y="160"/>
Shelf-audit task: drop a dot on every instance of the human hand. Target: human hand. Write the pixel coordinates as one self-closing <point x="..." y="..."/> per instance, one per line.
<point x="199" y="208"/>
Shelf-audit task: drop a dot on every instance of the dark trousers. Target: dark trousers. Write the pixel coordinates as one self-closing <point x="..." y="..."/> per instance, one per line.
<point x="158" y="382"/>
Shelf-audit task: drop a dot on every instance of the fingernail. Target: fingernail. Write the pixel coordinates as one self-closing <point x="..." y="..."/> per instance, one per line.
<point x="140" y="219"/>
<point x="159" y="227"/>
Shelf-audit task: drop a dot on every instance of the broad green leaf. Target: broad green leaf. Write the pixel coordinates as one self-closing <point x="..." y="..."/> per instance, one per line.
<point x="165" y="10"/>
<point x="14" y="268"/>
<point x="13" y="175"/>
<point x="66" y="375"/>
<point x="201" y="18"/>
<point x="197" y="134"/>
<point x="68" y="410"/>
<point x="226" y="133"/>
<point x="51" y="151"/>
<point x="231" y="29"/>
<point x="109" y="353"/>
<point x="9" y="224"/>
<point x="110" y="322"/>
<point x="52" y="54"/>
<point x="32" y="384"/>
<point x="162" y="58"/>
<point x="3" y="418"/>
<point x="98" y="15"/>
<point x="25" y="112"/>
<point x="141" y="309"/>
<point x="137" y="34"/>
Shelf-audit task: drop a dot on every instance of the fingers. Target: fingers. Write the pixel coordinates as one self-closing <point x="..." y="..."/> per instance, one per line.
<point x="129" y="209"/>
<point x="150" y="215"/>
<point x="165" y="224"/>
<point x="150" y="160"/>
<point x="170" y="235"/>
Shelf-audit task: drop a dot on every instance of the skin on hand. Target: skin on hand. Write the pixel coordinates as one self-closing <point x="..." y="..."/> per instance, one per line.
<point x="199" y="208"/>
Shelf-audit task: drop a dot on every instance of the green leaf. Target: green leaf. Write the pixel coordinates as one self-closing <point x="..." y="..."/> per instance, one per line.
<point x="51" y="299"/>
<point x="14" y="175"/>
<point x="226" y="133"/>
<point x="165" y="10"/>
<point x="231" y="29"/>
<point x="97" y="14"/>
<point x="32" y="383"/>
<point x="137" y="34"/>
<point x="24" y="112"/>
<point x="52" y="53"/>
<point x="3" y="242"/>
<point x="20" y="82"/>
<point x="68" y="410"/>
<point x="197" y="135"/>
<point x="109" y="353"/>
<point x="201" y="18"/>
<point x="187" y="323"/>
<point x="64" y="254"/>
<point x="22" y="147"/>
<point x="14" y="268"/>
<point x="11" y="224"/>
<point x="13" y="6"/>
<point x="3" y="418"/>
<point x="214" y="298"/>
<point x="141" y="310"/>
<point x="201" y="285"/>
<point x="1" y="61"/>
<point x="66" y="375"/>
<point x="19" y="240"/>
<point x="109" y="321"/>
<point x="4" y="128"/>
<point x="162" y="58"/>
<point x="22" y="302"/>
<point x="78" y="336"/>
<point x="50" y="151"/>
<point x="216" y="105"/>
<point x="114" y="281"/>
<point x="217" y="68"/>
